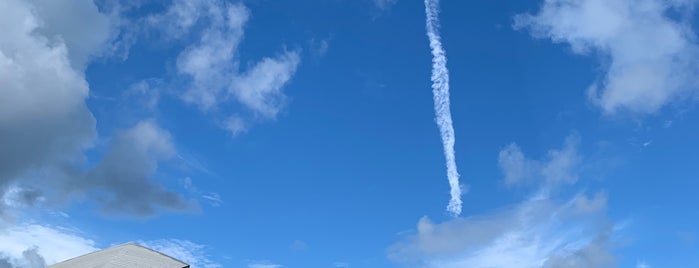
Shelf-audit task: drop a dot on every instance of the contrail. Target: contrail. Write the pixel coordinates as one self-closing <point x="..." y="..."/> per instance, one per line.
<point x="440" y="89"/>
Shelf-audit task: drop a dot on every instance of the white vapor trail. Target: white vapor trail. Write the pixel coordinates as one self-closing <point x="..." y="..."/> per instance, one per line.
<point x="440" y="89"/>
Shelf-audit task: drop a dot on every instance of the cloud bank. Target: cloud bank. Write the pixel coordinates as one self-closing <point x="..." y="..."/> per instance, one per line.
<point x="650" y="58"/>
<point x="440" y="90"/>
<point x="538" y="232"/>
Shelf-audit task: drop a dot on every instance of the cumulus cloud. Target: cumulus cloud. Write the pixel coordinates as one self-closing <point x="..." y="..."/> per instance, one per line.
<point x="45" y="124"/>
<point x="44" y="121"/>
<point x="650" y="58"/>
<point x="65" y="21"/>
<point x="212" y="68"/>
<point x="539" y="232"/>
<point x="560" y="166"/>
<point x="189" y="252"/>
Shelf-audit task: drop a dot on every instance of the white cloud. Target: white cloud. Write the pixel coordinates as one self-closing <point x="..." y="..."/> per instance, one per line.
<point x="236" y="125"/>
<point x="341" y="264"/>
<point x="560" y="166"/>
<point x="212" y="67"/>
<point x="53" y="244"/>
<point x="47" y="125"/>
<point x="650" y="58"/>
<point x="538" y="232"/>
<point x="298" y="245"/>
<point x="384" y="4"/>
<point x="209" y="62"/>
<point x="213" y="198"/>
<point x="189" y="252"/>
<point x="541" y="231"/>
<point x="260" y="88"/>
<point x="642" y="264"/>
<point x="442" y="110"/>
<point x="264" y="264"/>
<point x="32" y="245"/>
<point x="76" y="23"/>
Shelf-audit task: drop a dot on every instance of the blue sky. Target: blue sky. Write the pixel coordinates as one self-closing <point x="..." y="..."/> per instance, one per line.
<point x="267" y="134"/>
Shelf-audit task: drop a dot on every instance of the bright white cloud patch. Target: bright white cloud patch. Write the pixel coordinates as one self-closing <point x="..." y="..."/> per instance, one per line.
<point x="440" y="90"/>
<point x="650" y="58"/>
<point x="538" y="232"/>
<point x="22" y="244"/>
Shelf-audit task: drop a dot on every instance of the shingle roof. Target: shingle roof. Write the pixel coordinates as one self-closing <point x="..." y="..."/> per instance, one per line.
<point x="130" y="255"/>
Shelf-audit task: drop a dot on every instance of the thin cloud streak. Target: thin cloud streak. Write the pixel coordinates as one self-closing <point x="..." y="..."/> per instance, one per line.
<point x="440" y="89"/>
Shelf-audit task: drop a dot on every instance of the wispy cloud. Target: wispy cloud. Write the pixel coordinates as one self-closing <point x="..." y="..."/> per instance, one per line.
<point x="341" y="264"/>
<point x="440" y="89"/>
<point x="384" y="4"/>
<point x="560" y="166"/>
<point x="264" y="264"/>
<point x="187" y="251"/>
<point x="538" y="232"/>
<point x="649" y="58"/>
<point x="34" y="246"/>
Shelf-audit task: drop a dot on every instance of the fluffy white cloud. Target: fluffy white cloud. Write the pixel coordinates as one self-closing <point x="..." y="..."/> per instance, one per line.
<point x="189" y="252"/>
<point x="21" y="244"/>
<point x="212" y="68"/>
<point x="650" y="59"/>
<point x="260" y="88"/>
<point x="538" y="232"/>
<point x="560" y="166"/>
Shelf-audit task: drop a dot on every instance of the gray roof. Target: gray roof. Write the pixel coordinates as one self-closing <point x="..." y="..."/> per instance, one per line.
<point x="130" y="255"/>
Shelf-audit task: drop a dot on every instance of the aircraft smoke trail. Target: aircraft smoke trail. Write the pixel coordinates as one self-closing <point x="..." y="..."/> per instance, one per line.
<point x="440" y="89"/>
